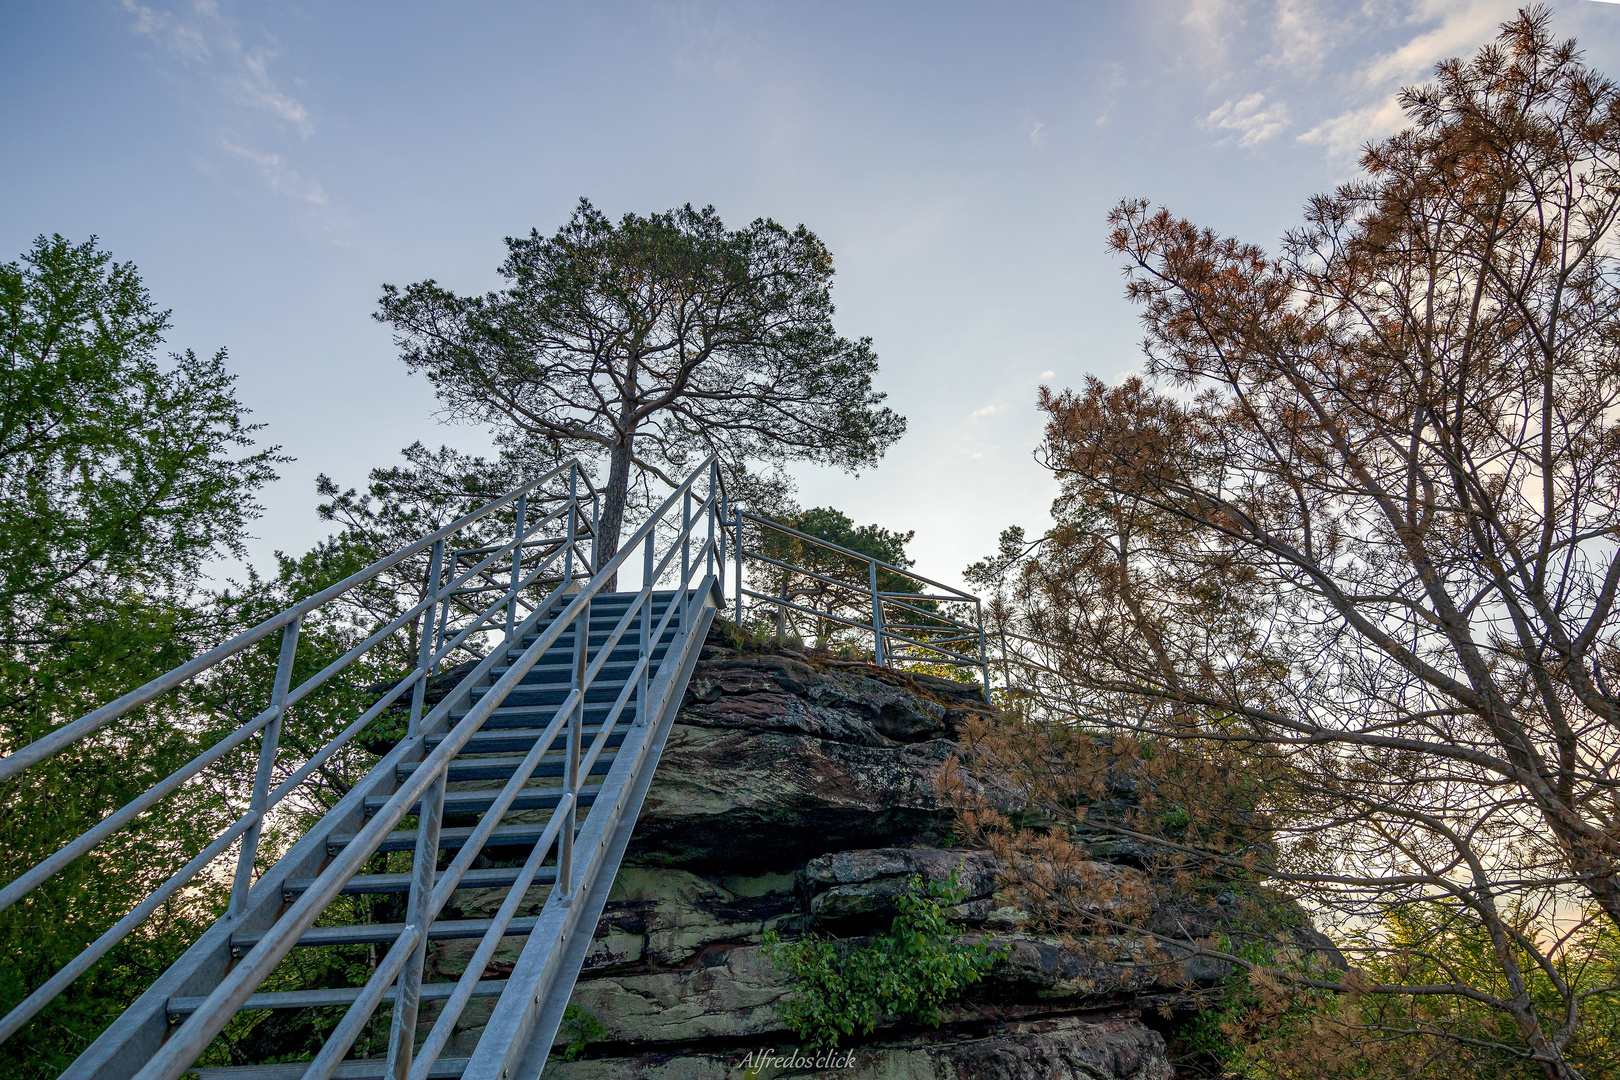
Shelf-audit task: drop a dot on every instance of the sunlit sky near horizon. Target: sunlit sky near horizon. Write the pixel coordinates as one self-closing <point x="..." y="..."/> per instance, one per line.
<point x="268" y="166"/>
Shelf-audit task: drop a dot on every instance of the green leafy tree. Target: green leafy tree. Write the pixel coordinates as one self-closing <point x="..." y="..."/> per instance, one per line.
<point x="652" y="342"/>
<point x="121" y="475"/>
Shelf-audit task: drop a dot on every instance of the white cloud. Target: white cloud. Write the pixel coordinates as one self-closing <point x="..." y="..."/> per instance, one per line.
<point x="281" y="179"/>
<point x="1300" y="33"/>
<point x="1251" y="118"/>
<point x="1049" y="374"/>
<point x="1439" y="30"/>
<point x="1210" y="25"/>
<point x="204" y="38"/>
<point x="1036" y="130"/>
<point x="988" y="410"/>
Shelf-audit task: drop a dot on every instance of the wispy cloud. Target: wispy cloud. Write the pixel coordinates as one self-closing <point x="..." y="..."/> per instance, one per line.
<point x="255" y="120"/>
<point x="1211" y="24"/>
<point x="1433" y="30"/>
<point x="202" y="37"/>
<point x="281" y="179"/>
<point x="1035" y="129"/>
<point x="1301" y="31"/>
<point x="988" y="410"/>
<point x="1251" y="118"/>
<point x="1340" y="92"/>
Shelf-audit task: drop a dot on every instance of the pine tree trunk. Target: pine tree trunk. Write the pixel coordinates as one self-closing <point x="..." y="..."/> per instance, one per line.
<point x="614" y="497"/>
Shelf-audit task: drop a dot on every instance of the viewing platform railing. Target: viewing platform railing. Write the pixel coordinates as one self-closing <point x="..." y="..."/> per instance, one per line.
<point x="912" y="619"/>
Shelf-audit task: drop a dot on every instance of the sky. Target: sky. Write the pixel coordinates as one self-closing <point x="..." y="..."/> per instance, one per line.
<point x="269" y="166"/>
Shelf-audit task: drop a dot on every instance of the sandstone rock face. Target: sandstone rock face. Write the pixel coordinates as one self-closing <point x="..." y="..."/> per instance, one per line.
<point x="798" y="794"/>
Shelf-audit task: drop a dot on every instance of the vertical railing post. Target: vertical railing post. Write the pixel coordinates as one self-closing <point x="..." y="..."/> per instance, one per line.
<point x="571" y="782"/>
<point x="718" y="519"/>
<point x="517" y="563"/>
<point x="268" y="743"/>
<point x="596" y="529"/>
<point x="737" y="556"/>
<point x="879" y="653"/>
<point x="708" y="512"/>
<point x="425" y="647"/>
<point x="425" y="859"/>
<point x="424" y="867"/>
<point x="646" y="629"/>
<point x="573" y="510"/>
<point x="686" y="557"/>
<point x="984" y="648"/>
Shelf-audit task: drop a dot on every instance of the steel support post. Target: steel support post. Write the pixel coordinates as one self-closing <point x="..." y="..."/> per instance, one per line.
<point x="517" y="563"/>
<point x="737" y="557"/>
<point x="425" y="649"/>
<point x="646" y="630"/>
<point x="424" y="864"/>
<point x="268" y="742"/>
<point x="573" y="511"/>
<point x="715" y="551"/>
<point x="984" y="648"/>
<point x="596" y="527"/>
<point x="576" y="720"/>
<point x="717" y="527"/>
<point x="402" y="1032"/>
<point x="879" y="653"/>
<point x="686" y="554"/>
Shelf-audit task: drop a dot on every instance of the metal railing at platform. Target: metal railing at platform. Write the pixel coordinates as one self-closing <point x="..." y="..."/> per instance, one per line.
<point x="913" y="621"/>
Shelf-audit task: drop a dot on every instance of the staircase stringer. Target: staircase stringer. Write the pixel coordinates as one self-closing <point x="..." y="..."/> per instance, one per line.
<point x="518" y="1037"/>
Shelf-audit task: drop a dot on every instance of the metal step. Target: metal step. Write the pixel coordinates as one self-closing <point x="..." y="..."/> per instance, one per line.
<point x="563" y="672"/>
<point x="631" y="635"/>
<point x="529" y="715"/>
<point x="387" y="933"/>
<point x="476" y="802"/>
<point x="182" y="1007"/>
<point x="502" y="768"/>
<point x="368" y="884"/>
<point x="600" y="693"/>
<point x="449" y="839"/>
<point x="521" y="740"/>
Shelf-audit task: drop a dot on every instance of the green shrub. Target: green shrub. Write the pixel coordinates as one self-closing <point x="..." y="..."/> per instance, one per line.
<point x="581" y="1029"/>
<point x="908" y="973"/>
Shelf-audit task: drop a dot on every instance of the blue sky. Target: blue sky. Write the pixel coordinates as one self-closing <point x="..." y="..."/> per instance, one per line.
<point x="268" y="166"/>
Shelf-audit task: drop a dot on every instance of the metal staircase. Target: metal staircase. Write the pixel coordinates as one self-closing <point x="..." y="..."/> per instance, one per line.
<point x="540" y="755"/>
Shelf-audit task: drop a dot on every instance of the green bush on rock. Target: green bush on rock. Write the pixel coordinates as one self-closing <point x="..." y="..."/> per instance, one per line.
<point x="842" y="989"/>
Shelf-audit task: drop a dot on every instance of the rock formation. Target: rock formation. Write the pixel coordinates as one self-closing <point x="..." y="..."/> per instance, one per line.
<point x="799" y="793"/>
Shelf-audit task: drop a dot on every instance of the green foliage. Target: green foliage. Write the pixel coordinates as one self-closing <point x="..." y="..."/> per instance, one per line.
<point x="580" y="1029"/>
<point x="121" y="475"/>
<point x="908" y="973"/>
<point x="654" y="341"/>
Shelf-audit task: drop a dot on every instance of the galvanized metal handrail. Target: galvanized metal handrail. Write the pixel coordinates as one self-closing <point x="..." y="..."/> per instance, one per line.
<point x="423" y="792"/>
<point x="264" y="799"/>
<point x="926" y="642"/>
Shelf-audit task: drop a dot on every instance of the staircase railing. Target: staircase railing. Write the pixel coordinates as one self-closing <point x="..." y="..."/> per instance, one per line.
<point x="423" y="792"/>
<point x="913" y="620"/>
<point x="540" y="549"/>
